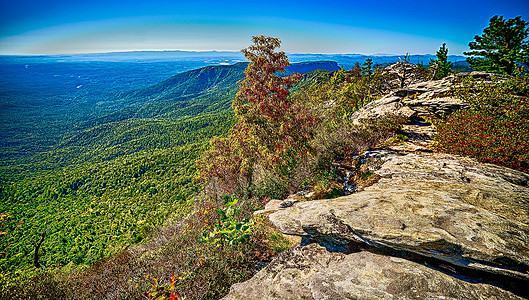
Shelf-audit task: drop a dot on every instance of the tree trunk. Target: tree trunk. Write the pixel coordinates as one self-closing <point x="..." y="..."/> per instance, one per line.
<point x="36" y="254"/>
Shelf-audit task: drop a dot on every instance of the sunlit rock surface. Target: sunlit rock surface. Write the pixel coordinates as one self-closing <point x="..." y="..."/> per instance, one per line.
<point x="311" y="272"/>
<point x="434" y="226"/>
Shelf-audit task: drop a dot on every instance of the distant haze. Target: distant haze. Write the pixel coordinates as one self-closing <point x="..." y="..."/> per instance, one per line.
<point x="204" y="58"/>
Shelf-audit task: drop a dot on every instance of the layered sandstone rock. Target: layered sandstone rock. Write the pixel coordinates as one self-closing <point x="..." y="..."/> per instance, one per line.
<point x="434" y="226"/>
<point x="311" y="272"/>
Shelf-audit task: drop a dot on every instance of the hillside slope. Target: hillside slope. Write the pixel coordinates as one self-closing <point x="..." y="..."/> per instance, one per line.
<point x="128" y="169"/>
<point x="209" y="89"/>
<point x="430" y="225"/>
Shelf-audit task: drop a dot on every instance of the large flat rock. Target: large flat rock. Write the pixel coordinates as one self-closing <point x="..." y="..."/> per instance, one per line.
<point x="383" y="107"/>
<point x="311" y="272"/>
<point x="451" y="208"/>
<point x="438" y="106"/>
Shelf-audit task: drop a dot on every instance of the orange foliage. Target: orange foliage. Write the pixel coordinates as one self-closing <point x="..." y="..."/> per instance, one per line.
<point x="272" y="131"/>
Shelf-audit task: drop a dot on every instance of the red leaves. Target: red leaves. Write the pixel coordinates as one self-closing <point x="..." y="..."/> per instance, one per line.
<point x="272" y="129"/>
<point x="496" y="128"/>
<point x="489" y="138"/>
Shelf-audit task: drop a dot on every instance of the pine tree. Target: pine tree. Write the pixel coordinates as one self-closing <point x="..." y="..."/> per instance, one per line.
<point x="367" y="68"/>
<point x="501" y="47"/>
<point x="440" y="67"/>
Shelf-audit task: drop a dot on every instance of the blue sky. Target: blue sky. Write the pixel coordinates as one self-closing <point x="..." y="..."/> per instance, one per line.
<point x="366" y="27"/>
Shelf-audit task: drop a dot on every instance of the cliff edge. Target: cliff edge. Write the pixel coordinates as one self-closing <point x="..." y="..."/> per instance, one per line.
<point x="430" y="226"/>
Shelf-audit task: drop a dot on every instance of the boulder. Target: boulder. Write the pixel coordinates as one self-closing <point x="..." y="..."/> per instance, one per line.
<point x="311" y="272"/>
<point x="448" y="208"/>
<point x="384" y="107"/>
<point x="439" y="106"/>
<point x="433" y="87"/>
<point x="394" y="74"/>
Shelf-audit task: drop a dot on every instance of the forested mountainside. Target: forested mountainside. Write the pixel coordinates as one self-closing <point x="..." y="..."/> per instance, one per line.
<point x="48" y="114"/>
<point x="123" y="170"/>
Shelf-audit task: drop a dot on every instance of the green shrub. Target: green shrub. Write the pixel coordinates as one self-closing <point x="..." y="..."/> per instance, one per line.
<point x="339" y="138"/>
<point x="270" y="186"/>
<point x="326" y="189"/>
<point x="229" y="228"/>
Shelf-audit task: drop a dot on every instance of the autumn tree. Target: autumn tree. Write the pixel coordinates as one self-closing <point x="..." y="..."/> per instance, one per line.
<point x="502" y="46"/>
<point x="272" y="130"/>
<point x="440" y="67"/>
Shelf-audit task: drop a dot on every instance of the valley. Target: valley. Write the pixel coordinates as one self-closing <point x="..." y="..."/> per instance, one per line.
<point x="99" y="166"/>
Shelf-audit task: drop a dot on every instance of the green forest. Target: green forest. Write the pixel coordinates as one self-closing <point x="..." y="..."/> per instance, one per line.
<point x="123" y="180"/>
<point x="101" y="189"/>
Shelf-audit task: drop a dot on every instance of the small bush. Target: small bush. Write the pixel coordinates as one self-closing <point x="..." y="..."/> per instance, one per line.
<point x="340" y="138"/>
<point x="268" y="185"/>
<point x="326" y="189"/>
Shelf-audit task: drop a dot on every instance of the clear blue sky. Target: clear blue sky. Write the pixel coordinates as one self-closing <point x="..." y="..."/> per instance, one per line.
<point x="367" y="27"/>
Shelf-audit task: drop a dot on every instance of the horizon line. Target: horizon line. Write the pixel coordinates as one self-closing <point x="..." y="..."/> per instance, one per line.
<point x="218" y="51"/>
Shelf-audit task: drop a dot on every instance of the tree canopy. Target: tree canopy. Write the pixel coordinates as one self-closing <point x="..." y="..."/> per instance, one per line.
<point x="272" y="130"/>
<point x="502" y="46"/>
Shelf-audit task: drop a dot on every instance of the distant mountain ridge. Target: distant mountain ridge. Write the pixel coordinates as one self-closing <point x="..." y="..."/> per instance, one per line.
<point x="214" y="57"/>
<point x="208" y="89"/>
<point x="306" y="67"/>
<point x="215" y="77"/>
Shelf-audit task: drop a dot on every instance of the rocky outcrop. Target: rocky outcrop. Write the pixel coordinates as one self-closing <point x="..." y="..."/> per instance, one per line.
<point x="419" y="99"/>
<point x="453" y="209"/>
<point x="402" y="74"/>
<point x="426" y="98"/>
<point x="433" y="226"/>
<point x="312" y="272"/>
<point x="387" y="106"/>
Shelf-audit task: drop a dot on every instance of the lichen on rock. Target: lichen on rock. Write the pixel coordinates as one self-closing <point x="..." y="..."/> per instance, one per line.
<point x="311" y="272"/>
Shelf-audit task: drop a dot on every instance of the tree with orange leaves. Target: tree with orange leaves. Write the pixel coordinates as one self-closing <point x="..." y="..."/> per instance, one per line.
<point x="273" y="131"/>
